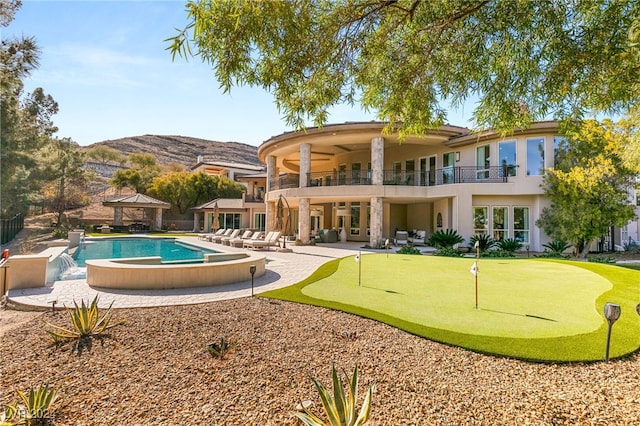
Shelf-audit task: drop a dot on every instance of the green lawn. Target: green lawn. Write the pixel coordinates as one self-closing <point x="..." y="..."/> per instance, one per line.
<point x="527" y="308"/>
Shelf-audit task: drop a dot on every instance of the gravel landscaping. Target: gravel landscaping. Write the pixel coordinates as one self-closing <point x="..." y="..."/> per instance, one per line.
<point x="155" y="370"/>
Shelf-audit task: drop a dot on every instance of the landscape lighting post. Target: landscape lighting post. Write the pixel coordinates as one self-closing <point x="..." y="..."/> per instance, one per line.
<point x="252" y="271"/>
<point x="386" y="246"/>
<point x="611" y="313"/>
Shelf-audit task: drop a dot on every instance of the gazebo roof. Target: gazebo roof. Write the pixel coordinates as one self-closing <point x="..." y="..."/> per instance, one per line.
<point x="222" y="203"/>
<point x="137" y="201"/>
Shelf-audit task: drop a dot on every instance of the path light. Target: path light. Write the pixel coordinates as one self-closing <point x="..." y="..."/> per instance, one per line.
<point x="386" y="246"/>
<point x="252" y="271"/>
<point x="611" y="313"/>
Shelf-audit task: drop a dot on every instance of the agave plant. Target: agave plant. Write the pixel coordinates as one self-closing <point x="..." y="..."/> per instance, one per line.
<point x="485" y="242"/>
<point x="557" y="246"/>
<point x="220" y="350"/>
<point x="445" y="239"/>
<point x="340" y="409"/>
<point x="510" y="245"/>
<point x="86" y="321"/>
<point x="35" y="407"/>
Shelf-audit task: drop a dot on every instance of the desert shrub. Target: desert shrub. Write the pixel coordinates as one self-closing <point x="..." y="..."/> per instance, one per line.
<point x="485" y="242"/>
<point x="339" y="409"/>
<point x="497" y="253"/>
<point x="557" y="247"/>
<point x="447" y="252"/>
<point x="601" y="259"/>
<point x="86" y="321"/>
<point x="445" y="239"/>
<point x="408" y="250"/>
<point x="222" y="349"/>
<point x="35" y="407"/>
<point x="60" y="233"/>
<point x="510" y="245"/>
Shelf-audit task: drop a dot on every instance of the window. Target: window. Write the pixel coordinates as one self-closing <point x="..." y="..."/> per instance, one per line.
<point x="560" y="149"/>
<point x="507" y="158"/>
<point x="483" y="161"/>
<point x="521" y="224"/>
<point x="355" y="173"/>
<point x="230" y="220"/>
<point x="448" y="160"/>
<point x="409" y="169"/>
<point x="355" y="219"/>
<point x="396" y="168"/>
<point x="259" y="221"/>
<point x="480" y="220"/>
<point x="342" y="174"/>
<point x="368" y="219"/>
<point x="500" y="223"/>
<point x="535" y="156"/>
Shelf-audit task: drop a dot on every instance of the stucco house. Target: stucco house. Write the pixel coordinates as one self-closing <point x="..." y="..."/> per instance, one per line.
<point x="351" y="176"/>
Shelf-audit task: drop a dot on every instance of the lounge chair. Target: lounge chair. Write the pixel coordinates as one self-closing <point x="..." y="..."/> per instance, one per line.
<point x="402" y="238"/>
<point x="419" y="238"/>
<point x="239" y="242"/>
<point x="225" y="240"/>
<point x="270" y="240"/>
<point x="218" y="238"/>
<point x="219" y="232"/>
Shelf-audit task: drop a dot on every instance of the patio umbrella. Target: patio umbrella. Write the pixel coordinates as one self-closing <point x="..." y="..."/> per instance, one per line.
<point x="280" y="215"/>
<point x="216" y="220"/>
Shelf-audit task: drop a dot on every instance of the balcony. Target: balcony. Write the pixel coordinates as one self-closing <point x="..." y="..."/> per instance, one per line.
<point x="445" y="176"/>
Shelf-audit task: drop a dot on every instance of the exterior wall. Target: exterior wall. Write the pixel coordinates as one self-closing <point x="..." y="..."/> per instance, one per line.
<point x="431" y="182"/>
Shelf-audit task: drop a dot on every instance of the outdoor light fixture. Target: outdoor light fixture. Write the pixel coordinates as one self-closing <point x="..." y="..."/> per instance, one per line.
<point x="252" y="271"/>
<point x="611" y="313"/>
<point x="527" y="250"/>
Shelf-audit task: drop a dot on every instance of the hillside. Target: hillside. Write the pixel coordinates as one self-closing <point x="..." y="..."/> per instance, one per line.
<point x="184" y="150"/>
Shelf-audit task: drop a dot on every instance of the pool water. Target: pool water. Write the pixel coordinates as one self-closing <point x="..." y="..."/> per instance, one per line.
<point x="169" y="249"/>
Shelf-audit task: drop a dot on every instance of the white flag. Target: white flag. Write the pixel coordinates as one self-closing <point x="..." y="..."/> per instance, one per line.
<point x="474" y="269"/>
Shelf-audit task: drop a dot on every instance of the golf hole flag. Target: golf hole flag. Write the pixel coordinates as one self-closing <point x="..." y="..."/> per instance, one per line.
<point x="474" y="269"/>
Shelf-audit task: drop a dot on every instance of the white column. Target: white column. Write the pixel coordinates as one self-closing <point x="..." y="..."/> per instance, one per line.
<point x="272" y="173"/>
<point x="270" y="219"/>
<point x="375" y="229"/>
<point x="305" y="164"/>
<point x="207" y="222"/>
<point x="196" y="222"/>
<point x="158" y="220"/>
<point x="377" y="160"/>
<point x="304" y="219"/>
<point x="117" y="216"/>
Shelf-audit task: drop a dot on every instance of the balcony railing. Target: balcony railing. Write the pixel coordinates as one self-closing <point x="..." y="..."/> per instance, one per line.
<point x="445" y="176"/>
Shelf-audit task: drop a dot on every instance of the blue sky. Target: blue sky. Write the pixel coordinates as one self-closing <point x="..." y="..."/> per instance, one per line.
<point x="105" y="64"/>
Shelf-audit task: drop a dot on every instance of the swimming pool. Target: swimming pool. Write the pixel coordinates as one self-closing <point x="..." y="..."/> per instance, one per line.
<point x="73" y="267"/>
<point x="169" y="249"/>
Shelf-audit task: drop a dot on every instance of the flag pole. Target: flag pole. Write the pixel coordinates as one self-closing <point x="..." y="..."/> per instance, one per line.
<point x="477" y="247"/>
<point x="359" y="268"/>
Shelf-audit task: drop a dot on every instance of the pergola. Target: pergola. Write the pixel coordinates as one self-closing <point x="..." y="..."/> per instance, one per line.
<point x="151" y="205"/>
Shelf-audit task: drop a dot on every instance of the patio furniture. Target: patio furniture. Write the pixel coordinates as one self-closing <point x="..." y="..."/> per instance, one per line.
<point x="239" y="242"/>
<point x="218" y="238"/>
<point x="402" y="238"/>
<point x="225" y="240"/>
<point x="419" y="238"/>
<point x="270" y="240"/>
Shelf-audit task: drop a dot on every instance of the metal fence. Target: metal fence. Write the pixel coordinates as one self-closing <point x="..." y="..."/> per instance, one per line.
<point x="9" y="228"/>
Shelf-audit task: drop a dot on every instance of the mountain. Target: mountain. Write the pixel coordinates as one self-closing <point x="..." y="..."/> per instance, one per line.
<point x="184" y="150"/>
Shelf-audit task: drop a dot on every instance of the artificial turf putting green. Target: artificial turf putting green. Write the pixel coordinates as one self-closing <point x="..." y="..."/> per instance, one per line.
<point x="530" y="309"/>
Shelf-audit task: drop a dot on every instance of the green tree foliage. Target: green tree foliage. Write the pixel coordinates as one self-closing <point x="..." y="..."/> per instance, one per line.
<point x="63" y="167"/>
<point x="105" y="155"/>
<point x="144" y="169"/>
<point x="408" y="60"/>
<point x="589" y="187"/>
<point x="25" y="121"/>
<point x="185" y="190"/>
